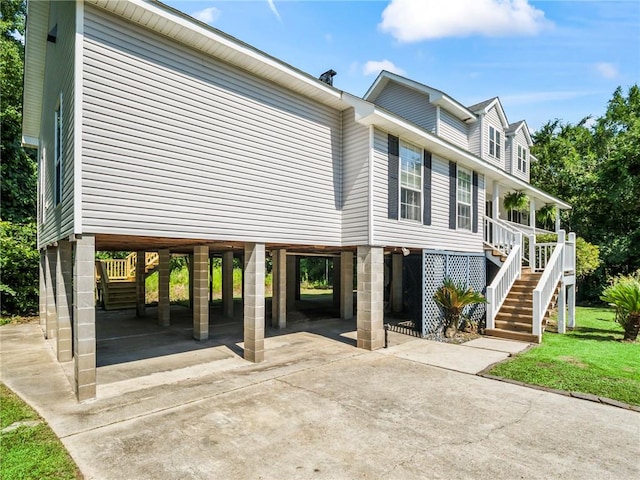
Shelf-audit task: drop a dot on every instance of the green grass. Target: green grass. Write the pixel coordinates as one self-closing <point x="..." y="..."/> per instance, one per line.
<point x="30" y="452"/>
<point x="589" y="359"/>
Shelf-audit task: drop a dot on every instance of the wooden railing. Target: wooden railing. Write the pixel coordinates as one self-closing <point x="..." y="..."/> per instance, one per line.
<point x="499" y="289"/>
<point x="119" y="269"/>
<point x="499" y="236"/>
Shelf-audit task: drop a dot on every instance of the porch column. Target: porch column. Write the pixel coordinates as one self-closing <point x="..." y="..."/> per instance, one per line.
<point x="42" y="290"/>
<point x="396" y="282"/>
<point x="164" y="318"/>
<point x="532" y="215"/>
<point x="64" y="300"/>
<point x="562" y="308"/>
<point x="557" y="219"/>
<point x="335" y="282"/>
<point x="346" y="285"/>
<point x="370" y="297"/>
<point x="84" y="318"/>
<point x="200" y="271"/>
<point x="227" y="284"/>
<point x="140" y="283"/>
<point x="279" y="289"/>
<point x="495" y="200"/>
<point x="571" y="304"/>
<point x="51" y="324"/>
<point x="291" y="282"/>
<point x="254" y="273"/>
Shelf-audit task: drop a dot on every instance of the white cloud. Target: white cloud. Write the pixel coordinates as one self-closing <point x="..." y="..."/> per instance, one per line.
<point x="606" y="70"/>
<point x="208" y="15"/>
<point x="373" y="67"/>
<point x="272" y="7"/>
<point x="417" y="20"/>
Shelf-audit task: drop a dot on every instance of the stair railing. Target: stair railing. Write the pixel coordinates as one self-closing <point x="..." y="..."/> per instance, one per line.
<point x="499" y="236"/>
<point x="510" y="271"/>
<point x="551" y="276"/>
<point x="117" y="268"/>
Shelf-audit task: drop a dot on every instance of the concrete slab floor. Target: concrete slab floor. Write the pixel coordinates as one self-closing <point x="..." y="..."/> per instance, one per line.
<point x="318" y="408"/>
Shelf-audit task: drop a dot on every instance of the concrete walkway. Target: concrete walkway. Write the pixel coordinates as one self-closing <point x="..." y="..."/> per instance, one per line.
<point x="320" y="408"/>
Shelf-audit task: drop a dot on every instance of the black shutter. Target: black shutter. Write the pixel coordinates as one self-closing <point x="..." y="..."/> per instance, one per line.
<point x="394" y="152"/>
<point x="453" y="197"/>
<point x="426" y="189"/>
<point x="474" y="204"/>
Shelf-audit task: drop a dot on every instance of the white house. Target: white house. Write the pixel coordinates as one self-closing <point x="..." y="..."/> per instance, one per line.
<point x="158" y="133"/>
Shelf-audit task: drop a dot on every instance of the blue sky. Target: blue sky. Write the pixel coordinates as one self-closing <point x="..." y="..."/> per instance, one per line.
<point x="544" y="59"/>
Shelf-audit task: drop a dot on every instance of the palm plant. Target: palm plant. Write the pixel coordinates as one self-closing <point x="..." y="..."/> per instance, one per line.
<point x="516" y="201"/>
<point x="452" y="298"/>
<point x="546" y="216"/>
<point x="624" y="295"/>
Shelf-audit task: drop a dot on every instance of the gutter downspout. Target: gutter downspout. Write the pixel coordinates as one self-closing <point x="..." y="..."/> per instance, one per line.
<point x="371" y="160"/>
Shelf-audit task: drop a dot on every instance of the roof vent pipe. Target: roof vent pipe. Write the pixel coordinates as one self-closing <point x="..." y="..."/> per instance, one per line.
<point x="327" y="77"/>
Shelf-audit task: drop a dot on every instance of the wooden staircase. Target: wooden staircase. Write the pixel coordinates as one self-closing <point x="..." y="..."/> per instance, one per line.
<point x="514" y="320"/>
<point x="119" y="295"/>
<point x="116" y="280"/>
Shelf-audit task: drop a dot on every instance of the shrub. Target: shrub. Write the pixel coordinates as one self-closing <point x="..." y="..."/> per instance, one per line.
<point x="19" y="260"/>
<point x="452" y="298"/>
<point x="624" y="296"/>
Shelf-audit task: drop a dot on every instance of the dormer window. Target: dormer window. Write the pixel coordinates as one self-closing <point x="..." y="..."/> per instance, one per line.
<point x="494" y="142"/>
<point x="522" y="159"/>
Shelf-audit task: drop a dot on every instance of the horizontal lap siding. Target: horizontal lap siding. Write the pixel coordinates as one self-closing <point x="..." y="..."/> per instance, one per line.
<point x="520" y="139"/>
<point x="404" y="233"/>
<point x="177" y="144"/>
<point x="475" y="137"/>
<point x="409" y="104"/>
<point x="492" y="119"/>
<point x="355" y="182"/>
<point x="453" y="129"/>
<point x="58" y="78"/>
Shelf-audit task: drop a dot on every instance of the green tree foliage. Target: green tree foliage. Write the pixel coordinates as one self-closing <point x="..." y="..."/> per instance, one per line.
<point x="596" y="168"/>
<point x="19" y="265"/>
<point x="587" y="254"/>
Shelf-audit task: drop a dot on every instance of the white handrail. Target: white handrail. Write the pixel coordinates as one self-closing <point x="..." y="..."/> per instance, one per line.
<point x="510" y="271"/>
<point x="542" y="254"/>
<point x="570" y="253"/>
<point x="547" y="284"/>
<point x="499" y="236"/>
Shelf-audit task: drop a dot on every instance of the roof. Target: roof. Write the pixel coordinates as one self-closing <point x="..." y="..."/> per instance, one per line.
<point x="483" y="107"/>
<point x="436" y="97"/>
<point x="181" y="28"/>
<point x="513" y="128"/>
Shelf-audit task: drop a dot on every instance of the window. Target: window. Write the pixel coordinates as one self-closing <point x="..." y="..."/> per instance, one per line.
<point x="522" y="159"/>
<point x="57" y="153"/>
<point x="494" y="142"/>
<point x="464" y="198"/>
<point x="410" y="182"/>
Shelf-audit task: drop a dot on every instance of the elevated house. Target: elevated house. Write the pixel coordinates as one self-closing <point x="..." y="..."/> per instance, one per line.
<point x="159" y="134"/>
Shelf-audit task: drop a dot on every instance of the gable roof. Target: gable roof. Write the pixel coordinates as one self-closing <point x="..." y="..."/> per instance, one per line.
<point x="436" y="97"/>
<point x="520" y="125"/>
<point x="483" y="107"/>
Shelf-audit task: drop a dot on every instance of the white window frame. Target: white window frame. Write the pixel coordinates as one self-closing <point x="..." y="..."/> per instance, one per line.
<point x="58" y="155"/>
<point x="522" y="159"/>
<point x="494" y="142"/>
<point x="462" y="202"/>
<point x="404" y="185"/>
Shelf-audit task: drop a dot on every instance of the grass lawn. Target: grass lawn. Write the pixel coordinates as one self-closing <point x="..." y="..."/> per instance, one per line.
<point x="590" y="359"/>
<point x="30" y="452"/>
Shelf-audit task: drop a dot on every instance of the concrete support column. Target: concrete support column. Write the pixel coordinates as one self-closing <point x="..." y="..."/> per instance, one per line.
<point x="571" y="306"/>
<point x="227" y="284"/>
<point x="291" y="282"/>
<point x="254" y="272"/>
<point x="279" y="289"/>
<point x="336" y="282"/>
<point x="42" y="297"/>
<point x="164" y="318"/>
<point x="396" y="282"/>
<point x="298" y="279"/>
<point x="370" y="316"/>
<point x="51" y="324"/>
<point x="562" y="309"/>
<point x="190" y="264"/>
<point x="346" y="285"/>
<point x="84" y="318"/>
<point x="140" y="283"/>
<point x="200" y="292"/>
<point x="495" y="200"/>
<point x="64" y="300"/>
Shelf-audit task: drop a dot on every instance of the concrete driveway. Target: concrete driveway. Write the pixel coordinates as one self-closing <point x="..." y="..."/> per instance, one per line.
<point x="319" y="408"/>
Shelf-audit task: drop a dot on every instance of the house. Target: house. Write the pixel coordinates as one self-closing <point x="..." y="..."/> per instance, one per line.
<point x="157" y="133"/>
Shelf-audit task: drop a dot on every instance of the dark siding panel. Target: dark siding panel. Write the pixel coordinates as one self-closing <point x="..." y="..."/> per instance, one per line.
<point x="426" y="187"/>
<point x="453" y="185"/>
<point x="474" y="204"/>
<point x="394" y="152"/>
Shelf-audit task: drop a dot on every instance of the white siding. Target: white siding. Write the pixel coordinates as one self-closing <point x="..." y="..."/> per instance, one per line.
<point x="492" y="119"/>
<point x="59" y="70"/>
<point x="181" y="145"/>
<point x="355" y="181"/>
<point x="475" y="137"/>
<point x="403" y="233"/>
<point x="409" y="104"/>
<point x="453" y="129"/>
<point x="520" y="139"/>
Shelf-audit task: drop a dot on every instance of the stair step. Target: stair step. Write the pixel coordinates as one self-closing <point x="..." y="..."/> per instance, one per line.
<point x="513" y="326"/>
<point x="120" y="305"/>
<point x="517" y="307"/>
<point x="520" y="336"/>
<point x="515" y="317"/>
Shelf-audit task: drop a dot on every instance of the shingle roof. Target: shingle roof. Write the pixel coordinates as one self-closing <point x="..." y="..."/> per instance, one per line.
<point x="481" y="105"/>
